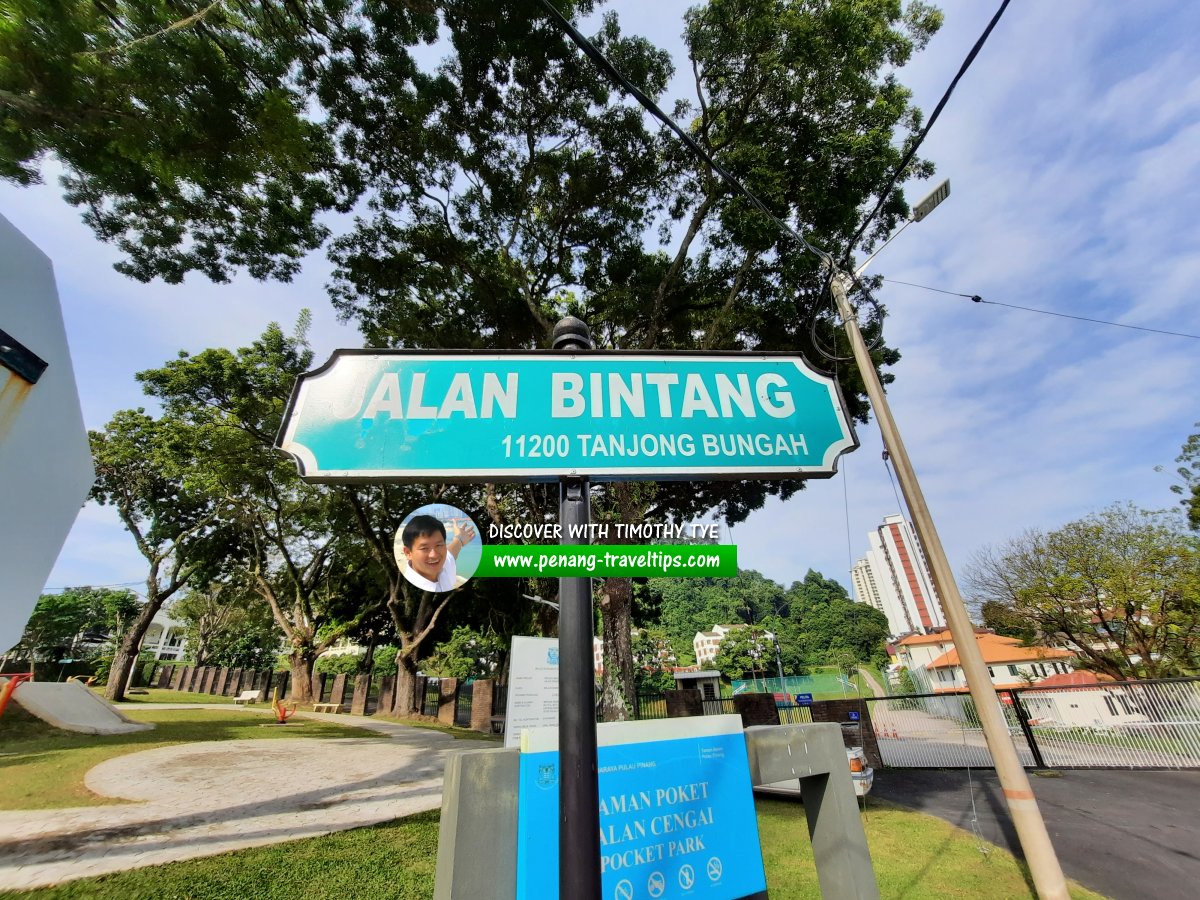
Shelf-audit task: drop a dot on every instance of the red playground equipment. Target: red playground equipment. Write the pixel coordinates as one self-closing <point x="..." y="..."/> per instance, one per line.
<point x="10" y="686"/>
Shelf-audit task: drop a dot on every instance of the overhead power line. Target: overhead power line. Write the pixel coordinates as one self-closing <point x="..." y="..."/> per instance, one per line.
<point x="975" y="298"/>
<point x="933" y="117"/>
<point x="592" y="52"/>
<point x="618" y="78"/>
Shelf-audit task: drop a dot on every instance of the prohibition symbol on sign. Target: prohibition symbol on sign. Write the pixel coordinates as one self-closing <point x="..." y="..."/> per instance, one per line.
<point x="714" y="869"/>
<point x="624" y="890"/>
<point x="656" y="884"/>
<point x="687" y="877"/>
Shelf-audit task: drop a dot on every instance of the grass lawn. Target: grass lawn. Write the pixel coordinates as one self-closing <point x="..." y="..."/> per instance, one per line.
<point x="162" y="695"/>
<point x="915" y="856"/>
<point x="42" y="767"/>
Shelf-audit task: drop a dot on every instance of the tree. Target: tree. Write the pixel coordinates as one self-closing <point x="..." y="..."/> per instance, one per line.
<point x="321" y="556"/>
<point x="829" y="623"/>
<point x="1003" y="619"/>
<point x="653" y="660"/>
<point x="1120" y="587"/>
<point x="295" y="543"/>
<point x="228" y="625"/>
<point x="816" y="590"/>
<point x="514" y="185"/>
<point x="745" y="652"/>
<point x="485" y="258"/>
<point x="60" y="621"/>
<point x="186" y="138"/>
<point x="467" y="654"/>
<point x="140" y="472"/>
<point x="1189" y="474"/>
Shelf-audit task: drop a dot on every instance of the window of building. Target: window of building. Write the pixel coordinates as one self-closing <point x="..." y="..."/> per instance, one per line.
<point x="1112" y="707"/>
<point x="1012" y="670"/>
<point x="709" y="691"/>
<point x="991" y="674"/>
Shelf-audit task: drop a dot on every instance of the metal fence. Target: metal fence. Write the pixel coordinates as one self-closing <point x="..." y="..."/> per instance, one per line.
<point x="1134" y="724"/>
<point x="654" y="706"/>
<point x="462" y="706"/>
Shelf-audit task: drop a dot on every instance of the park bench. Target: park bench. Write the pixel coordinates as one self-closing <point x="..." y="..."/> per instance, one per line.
<point x="248" y="697"/>
<point x="497" y="723"/>
<point x="327" y="707"/>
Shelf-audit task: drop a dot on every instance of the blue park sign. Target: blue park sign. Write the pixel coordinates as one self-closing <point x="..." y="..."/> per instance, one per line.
<point x="677" y="818"/>
<point x="457" y="416"/>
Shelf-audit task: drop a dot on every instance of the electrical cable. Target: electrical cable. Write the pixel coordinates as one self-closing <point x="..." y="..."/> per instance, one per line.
<point x="975" y="298"/>
<point x="892" y="478"/>
<point x="59" y="590"/>
<point x="912" y="151"/>
<point x="616" y="77"/>
<point x="593" y="53"/>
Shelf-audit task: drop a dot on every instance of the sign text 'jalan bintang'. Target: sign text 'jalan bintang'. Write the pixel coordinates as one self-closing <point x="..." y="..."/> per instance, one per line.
<point x="539" y="416"/>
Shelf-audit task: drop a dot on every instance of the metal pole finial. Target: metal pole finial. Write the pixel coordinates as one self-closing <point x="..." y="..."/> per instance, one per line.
<point x="572" y="334"/>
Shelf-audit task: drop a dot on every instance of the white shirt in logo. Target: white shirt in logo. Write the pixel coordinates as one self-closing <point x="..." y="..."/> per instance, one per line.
<point x="445" y="581"/>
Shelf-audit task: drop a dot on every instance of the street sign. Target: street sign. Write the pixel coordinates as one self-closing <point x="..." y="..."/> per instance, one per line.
<point x="457" y="416"/>
<point x="804" y="699"/>
<point x="853" y="716"/>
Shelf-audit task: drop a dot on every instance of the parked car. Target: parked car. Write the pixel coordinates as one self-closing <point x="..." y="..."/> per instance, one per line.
<point x="862" y="775"/>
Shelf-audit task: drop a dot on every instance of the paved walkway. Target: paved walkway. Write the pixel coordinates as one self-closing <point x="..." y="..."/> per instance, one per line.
<point x="199" y="799"/>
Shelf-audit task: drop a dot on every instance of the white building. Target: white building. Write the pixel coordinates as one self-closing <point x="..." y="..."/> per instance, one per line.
<point x="1084" y="701"/>
<point x="1009" y="664"/>
<point x="893" y="576"/>
<point x="165" y="637"/>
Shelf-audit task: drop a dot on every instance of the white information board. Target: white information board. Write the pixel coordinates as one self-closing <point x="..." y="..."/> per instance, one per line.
<point x="532" y="687"/>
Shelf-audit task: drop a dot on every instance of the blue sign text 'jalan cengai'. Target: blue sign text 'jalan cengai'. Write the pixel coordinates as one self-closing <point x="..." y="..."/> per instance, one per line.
<point x="456" y="416"/>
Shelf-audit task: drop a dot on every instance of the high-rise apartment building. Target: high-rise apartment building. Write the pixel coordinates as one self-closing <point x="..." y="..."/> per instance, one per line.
<point x="894" y="578"/>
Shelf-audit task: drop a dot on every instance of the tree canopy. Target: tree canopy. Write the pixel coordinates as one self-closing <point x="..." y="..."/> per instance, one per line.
<point x="1120" y="587"/>
<point x="141" y="465"/>
<point x="1189" y="476"/>
<point x="75" y="621"/>
<point x="812" y="620"/>
<point x="492" y="193"/>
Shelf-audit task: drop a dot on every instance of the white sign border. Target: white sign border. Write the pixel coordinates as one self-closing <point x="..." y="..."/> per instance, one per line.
<point x="310" y="470"/>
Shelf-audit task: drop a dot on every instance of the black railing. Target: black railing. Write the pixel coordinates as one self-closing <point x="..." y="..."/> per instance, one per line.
<point x="462" y="705"/>
<point x="429" y="703"/>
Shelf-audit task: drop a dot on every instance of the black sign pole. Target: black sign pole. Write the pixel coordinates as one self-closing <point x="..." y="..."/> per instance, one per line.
<point x="579" y="792"/>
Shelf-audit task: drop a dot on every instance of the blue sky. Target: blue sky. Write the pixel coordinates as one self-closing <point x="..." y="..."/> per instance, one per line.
<point x="1073" y="148"/>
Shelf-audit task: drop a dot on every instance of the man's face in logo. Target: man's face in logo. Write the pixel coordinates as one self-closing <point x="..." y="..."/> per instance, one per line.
<point x="427" y="554"/>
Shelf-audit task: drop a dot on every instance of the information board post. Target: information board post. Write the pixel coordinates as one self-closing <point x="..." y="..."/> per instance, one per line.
<point x="579" y="792"/>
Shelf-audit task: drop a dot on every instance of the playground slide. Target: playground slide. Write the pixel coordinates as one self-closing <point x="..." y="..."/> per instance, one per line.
<point x="72" y="707"/>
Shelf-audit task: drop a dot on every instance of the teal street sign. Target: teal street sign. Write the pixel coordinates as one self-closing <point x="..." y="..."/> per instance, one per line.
<point x="463" y="416"/>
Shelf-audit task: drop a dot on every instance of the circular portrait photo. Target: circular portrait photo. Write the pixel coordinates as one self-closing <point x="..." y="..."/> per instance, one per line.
<point x="438" y="547"/>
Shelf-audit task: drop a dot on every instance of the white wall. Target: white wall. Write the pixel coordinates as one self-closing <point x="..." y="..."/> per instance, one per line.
<point x="45" y="466"/>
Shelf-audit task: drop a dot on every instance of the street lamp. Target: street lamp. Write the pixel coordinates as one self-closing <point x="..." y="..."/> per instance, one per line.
<point x="1022" y="804"/>
<point x="919" y="212"/>
<point x="779" y="661"/>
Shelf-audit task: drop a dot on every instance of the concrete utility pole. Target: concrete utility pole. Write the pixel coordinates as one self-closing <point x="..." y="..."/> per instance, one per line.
<point x="1022" y="805"/>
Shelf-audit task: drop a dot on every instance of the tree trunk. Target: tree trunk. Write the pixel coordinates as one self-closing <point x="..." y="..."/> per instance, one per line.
<point x="118" y="675"/>
<point x="301" y="662"/>
<point x="617" y="694"/>
<point x="127" y="649"/>
<point x="406" y="686"/>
